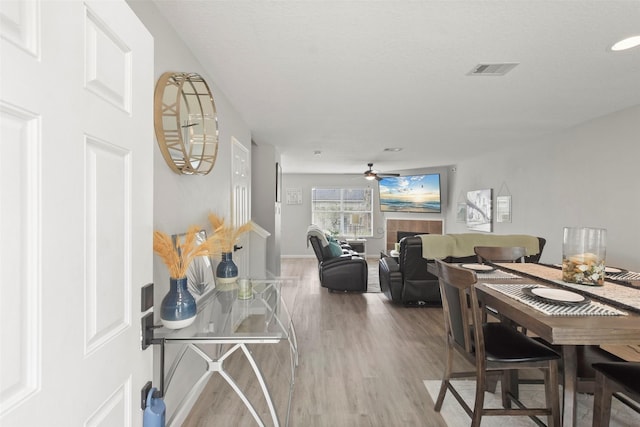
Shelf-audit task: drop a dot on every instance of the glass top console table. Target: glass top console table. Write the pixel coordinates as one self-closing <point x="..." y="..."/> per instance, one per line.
<point x="234" y="324"/>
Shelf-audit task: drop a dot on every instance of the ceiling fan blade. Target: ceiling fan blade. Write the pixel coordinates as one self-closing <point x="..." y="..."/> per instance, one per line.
<point x="372" y="173"/>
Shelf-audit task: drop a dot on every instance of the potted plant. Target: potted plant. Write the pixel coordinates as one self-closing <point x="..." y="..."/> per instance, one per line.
<point x="178" y="307"/>
<point x="223" y="243"/>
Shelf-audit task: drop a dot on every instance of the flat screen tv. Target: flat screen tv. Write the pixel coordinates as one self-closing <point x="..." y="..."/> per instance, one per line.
<point x="411" y="193"/>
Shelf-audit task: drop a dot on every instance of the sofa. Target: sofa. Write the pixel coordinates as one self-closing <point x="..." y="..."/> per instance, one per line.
<point x="405" y="279"/>
<point x="339" y="267"/>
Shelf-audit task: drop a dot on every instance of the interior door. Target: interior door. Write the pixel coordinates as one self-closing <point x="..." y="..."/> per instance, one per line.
<point x="241" y="208"/>
<point x="76" y="214"/>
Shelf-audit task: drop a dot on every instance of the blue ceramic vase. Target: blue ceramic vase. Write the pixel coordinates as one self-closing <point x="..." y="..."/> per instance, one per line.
<point x="227" y="270"/>
<point x="178" y="308"/>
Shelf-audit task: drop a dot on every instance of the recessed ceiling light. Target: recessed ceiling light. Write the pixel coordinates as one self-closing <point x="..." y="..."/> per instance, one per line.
<point x="395" y="149"/>
<point x="627" y="43"/>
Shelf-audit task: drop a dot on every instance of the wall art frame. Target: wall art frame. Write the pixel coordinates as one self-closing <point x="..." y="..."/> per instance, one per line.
<point x="480" y="210"/>
<point x="503" y="208"/>
<point x="278" y="182"/>
<point x="200" y="273"/>
<point x="294" y="196"/>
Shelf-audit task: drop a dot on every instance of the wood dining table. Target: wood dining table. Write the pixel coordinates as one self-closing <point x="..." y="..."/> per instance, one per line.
<point x="568" y="331"/>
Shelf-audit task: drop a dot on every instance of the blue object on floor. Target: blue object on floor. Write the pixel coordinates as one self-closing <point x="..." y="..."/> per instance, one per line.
<point x="154" y="413"/>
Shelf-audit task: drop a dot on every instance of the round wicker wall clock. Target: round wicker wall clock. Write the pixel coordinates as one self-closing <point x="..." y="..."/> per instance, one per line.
<point x="186" y="123"/>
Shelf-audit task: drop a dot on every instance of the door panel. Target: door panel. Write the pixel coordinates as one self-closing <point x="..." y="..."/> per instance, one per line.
<point x="75" y="212"/>
<point x="19" y="234"/>
<point x="108" y="277"/>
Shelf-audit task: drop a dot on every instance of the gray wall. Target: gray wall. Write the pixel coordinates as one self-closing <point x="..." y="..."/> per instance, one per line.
<point x="266" y="212"/>
<point x="181" y="200"/>
<point x="296" y="218"/>
<point x="586" y="176"/>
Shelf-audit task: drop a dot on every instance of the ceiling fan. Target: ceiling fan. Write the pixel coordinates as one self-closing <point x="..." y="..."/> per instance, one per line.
<point x="371" y="174"/>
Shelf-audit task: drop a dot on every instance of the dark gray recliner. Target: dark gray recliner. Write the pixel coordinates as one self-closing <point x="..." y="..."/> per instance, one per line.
<point x="407" y="281"/>
<point x="347" y="272"/>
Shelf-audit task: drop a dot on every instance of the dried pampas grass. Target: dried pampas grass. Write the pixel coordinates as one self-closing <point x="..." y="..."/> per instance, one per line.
<point x="225" y="236"/>
<point x="177" y="256"/>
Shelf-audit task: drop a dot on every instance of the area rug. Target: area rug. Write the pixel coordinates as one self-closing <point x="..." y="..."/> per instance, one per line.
<point x="530" y="394"/>
<point x="373" y="282"/>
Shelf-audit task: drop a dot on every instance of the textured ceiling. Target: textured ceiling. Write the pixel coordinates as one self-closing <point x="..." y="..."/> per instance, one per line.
<point x="350" y="78"/>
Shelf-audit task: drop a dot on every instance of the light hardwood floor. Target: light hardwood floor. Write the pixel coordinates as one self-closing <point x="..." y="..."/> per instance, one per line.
<point x="362" y="362"/>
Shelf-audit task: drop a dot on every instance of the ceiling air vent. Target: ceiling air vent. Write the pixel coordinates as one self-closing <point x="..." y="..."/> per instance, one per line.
<point x="492" y="69"/>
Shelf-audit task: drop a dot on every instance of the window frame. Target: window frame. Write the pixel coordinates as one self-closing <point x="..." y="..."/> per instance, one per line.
<point x="346" y="227"/>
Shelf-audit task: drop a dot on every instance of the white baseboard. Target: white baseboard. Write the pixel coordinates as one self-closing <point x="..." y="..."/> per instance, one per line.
<point x="297" y="256"/>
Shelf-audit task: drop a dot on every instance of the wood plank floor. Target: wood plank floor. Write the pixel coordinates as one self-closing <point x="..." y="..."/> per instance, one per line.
<point x="362" y="362"/>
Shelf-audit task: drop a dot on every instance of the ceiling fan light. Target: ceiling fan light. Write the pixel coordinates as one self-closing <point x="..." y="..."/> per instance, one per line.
<point x="370" y="177"/>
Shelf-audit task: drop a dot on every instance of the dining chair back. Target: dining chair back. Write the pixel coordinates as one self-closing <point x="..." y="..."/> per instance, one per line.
<point x="613" y="378"/>
<point x="500" y="253"/>
<point x="493" y="348"/>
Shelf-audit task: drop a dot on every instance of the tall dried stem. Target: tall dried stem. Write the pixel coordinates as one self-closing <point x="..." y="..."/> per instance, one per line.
<point x="225" y="236"/>
<point x="177" y="256"/>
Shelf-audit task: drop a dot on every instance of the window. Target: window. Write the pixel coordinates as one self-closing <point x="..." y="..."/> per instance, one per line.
<point x="343" y="211"/>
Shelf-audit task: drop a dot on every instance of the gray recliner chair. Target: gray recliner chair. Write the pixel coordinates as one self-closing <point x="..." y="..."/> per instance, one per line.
<point x="344" y="272"/>
<point x="407" y="281"/>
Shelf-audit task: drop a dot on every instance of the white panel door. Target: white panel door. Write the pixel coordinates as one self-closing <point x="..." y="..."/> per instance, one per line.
<point x="240" y="205"/>
<point x="76" y="212"/>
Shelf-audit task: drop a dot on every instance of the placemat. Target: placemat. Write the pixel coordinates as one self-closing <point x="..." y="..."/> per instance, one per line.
<point x="618" y="294"/>
<point x="629" y="275"/>
<point x="592" y="308"/>
<point x="497" y="274"/>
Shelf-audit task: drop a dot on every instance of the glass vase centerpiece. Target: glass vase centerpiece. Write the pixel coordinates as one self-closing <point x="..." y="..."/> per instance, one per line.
<point x="178" y="307"/>
<point x="584" y="255"/>
<point x="223" y="244"/>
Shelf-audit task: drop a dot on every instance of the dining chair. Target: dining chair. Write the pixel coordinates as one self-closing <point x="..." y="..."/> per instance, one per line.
<point x="613" y="378"/>
<point x="494" y="348"/>
<point x="500" y="253"/>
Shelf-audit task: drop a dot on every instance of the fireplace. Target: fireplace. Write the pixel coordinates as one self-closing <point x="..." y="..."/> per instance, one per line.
<point x="399" y="228"/>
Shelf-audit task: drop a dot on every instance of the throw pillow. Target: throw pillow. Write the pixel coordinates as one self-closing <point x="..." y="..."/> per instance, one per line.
<point x="335" y="249"/>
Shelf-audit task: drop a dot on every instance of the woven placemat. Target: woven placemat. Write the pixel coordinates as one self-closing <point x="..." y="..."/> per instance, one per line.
<point x="592" y="308"/>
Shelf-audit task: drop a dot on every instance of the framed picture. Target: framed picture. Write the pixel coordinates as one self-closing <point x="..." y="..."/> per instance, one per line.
<point x="278" y="182"/>
<point x="200" y="274"/>
<point x="461" y="212"/>
<point x="294" y="196"/>
<point x="479" y="210"/>
<point x="503" y="208"/>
